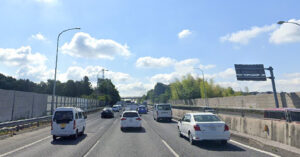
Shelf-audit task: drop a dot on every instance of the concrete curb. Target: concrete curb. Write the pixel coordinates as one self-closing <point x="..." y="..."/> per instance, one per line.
<point x="266" y="145"/>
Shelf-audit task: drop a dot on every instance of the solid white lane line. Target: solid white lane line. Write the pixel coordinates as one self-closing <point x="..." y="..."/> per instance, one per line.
<point x="265" y="152"/>
<point x="23" y="147"/>
<point x="91" y="149"/>
<point x="171" y="150"/>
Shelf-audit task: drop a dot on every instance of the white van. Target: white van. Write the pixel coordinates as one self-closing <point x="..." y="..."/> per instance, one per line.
<point x="68" y="121"/>
<point x="162" y="112"/>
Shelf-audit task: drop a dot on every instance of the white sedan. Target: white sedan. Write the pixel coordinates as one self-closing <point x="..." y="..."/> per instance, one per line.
<point x="203" y="126"/>
<point x="130" y="119"/>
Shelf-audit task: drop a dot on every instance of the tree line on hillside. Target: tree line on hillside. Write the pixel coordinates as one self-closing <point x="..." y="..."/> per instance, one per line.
<point x="105" y="90"/>
<point x="187" y="88"/>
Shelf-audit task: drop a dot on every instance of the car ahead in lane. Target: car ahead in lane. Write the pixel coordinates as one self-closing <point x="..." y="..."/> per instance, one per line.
<point x="130" y="119"/>
<point x="202" y="127"/>
<point x="162" y="112"/>
<point x="142" y="110"/>
<point x="115" y="108"/>
<point x="107" y="112"/>
<point x="68" y="121"/>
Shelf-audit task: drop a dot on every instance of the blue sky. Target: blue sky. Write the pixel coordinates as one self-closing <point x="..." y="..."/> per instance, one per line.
<point x="144" y="42"/>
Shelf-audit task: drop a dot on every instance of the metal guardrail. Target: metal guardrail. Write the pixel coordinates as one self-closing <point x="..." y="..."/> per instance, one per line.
<point x="22" y="122"/>
<point x="32" y="120"/>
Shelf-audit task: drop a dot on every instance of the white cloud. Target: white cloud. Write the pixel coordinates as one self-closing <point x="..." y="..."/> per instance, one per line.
<point x="286" y="33"/>
<point x="29" y="65"/>
<point x="133" y="89"/>
<point x="166" y="78"/>
<point x="77" y="73"/>
<point x="184" y="33"/>
<point x="150" y="62"/>
<point x="228" y="73"/>
<point x="38" y="36"/>
<point x="47" y="1"/>
<point x="83" y="45"/>
<point x="206" y="67"/>
<point x="186" y="66"/>
<point x="244" y="36"/>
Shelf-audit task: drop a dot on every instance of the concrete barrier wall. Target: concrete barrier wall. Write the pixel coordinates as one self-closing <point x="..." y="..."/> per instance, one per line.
<point x="261" y="101"/>
<point x="6" y="104"/>
<point x="275" y="130"/>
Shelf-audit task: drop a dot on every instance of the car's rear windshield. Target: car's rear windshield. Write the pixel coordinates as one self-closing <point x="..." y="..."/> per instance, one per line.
<point x="142" y="108"/>
<point x="130" y="114"/>
<point x="206" y="118"/>
<point x="163" y="107"/>
<point x="63" y="116"/>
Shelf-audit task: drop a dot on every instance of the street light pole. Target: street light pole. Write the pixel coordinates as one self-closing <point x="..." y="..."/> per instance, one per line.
<point x="205" y="93"/>
<point x="54" y="84"/>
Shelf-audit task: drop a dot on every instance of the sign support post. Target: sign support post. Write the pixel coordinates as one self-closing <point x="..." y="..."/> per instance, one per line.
<point x="273" y="85"/>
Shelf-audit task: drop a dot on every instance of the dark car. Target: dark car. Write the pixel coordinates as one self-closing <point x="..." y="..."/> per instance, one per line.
<point x="107" y="113"/>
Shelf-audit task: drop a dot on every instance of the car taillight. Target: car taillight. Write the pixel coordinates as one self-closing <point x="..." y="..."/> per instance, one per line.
<point x="138" y="119"/>
<point x="226" y="128"/>
<point x="74" y="124"/>
<point x="51" y="125"/>
<point x="197" y="128"/>
<point x="123" y="118"/>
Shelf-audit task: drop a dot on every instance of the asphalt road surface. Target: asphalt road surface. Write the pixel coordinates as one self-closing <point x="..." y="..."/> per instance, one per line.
<point x="103" y="137"/>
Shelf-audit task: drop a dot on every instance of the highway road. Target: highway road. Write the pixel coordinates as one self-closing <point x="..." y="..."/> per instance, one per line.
<point x="103" y="137"/>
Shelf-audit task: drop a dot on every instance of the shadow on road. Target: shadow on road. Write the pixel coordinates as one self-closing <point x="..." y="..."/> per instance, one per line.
<point x="68" y="140"/>
<point x="134" y="130"/>
<point x="166" y="121"/>
<point x="216" y="146"/>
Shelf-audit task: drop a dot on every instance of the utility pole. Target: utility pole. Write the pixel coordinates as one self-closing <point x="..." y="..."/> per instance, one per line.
<point x="103" y="70"/>
<point x="205" y="92"/>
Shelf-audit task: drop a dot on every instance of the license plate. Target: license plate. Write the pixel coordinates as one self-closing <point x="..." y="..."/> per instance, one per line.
<point x="130" y="120"/>
<point x="63" y="125"/>
<point x="213" y="128"/>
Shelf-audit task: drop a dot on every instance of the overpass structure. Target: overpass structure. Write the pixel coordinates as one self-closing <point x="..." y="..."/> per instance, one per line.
<point x="132" y="98"/>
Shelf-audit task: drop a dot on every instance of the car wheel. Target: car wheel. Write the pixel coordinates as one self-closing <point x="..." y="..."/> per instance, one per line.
<point x="54" y="137"/>
<point x="179" y="133"/>
<point x="223" y="142"/>
<point x="76" y="135"/>
<point x="191" y="140"/>
<point x="82" y="132"/>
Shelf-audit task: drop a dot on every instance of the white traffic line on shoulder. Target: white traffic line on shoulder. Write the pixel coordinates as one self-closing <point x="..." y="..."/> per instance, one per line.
<point x="171" y="150"/>
<point x="258" y="150"/>
<point x="24" y="147"/>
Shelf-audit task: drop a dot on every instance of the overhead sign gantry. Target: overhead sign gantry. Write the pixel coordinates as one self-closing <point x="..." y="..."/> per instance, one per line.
<point x="255" y="72"/>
